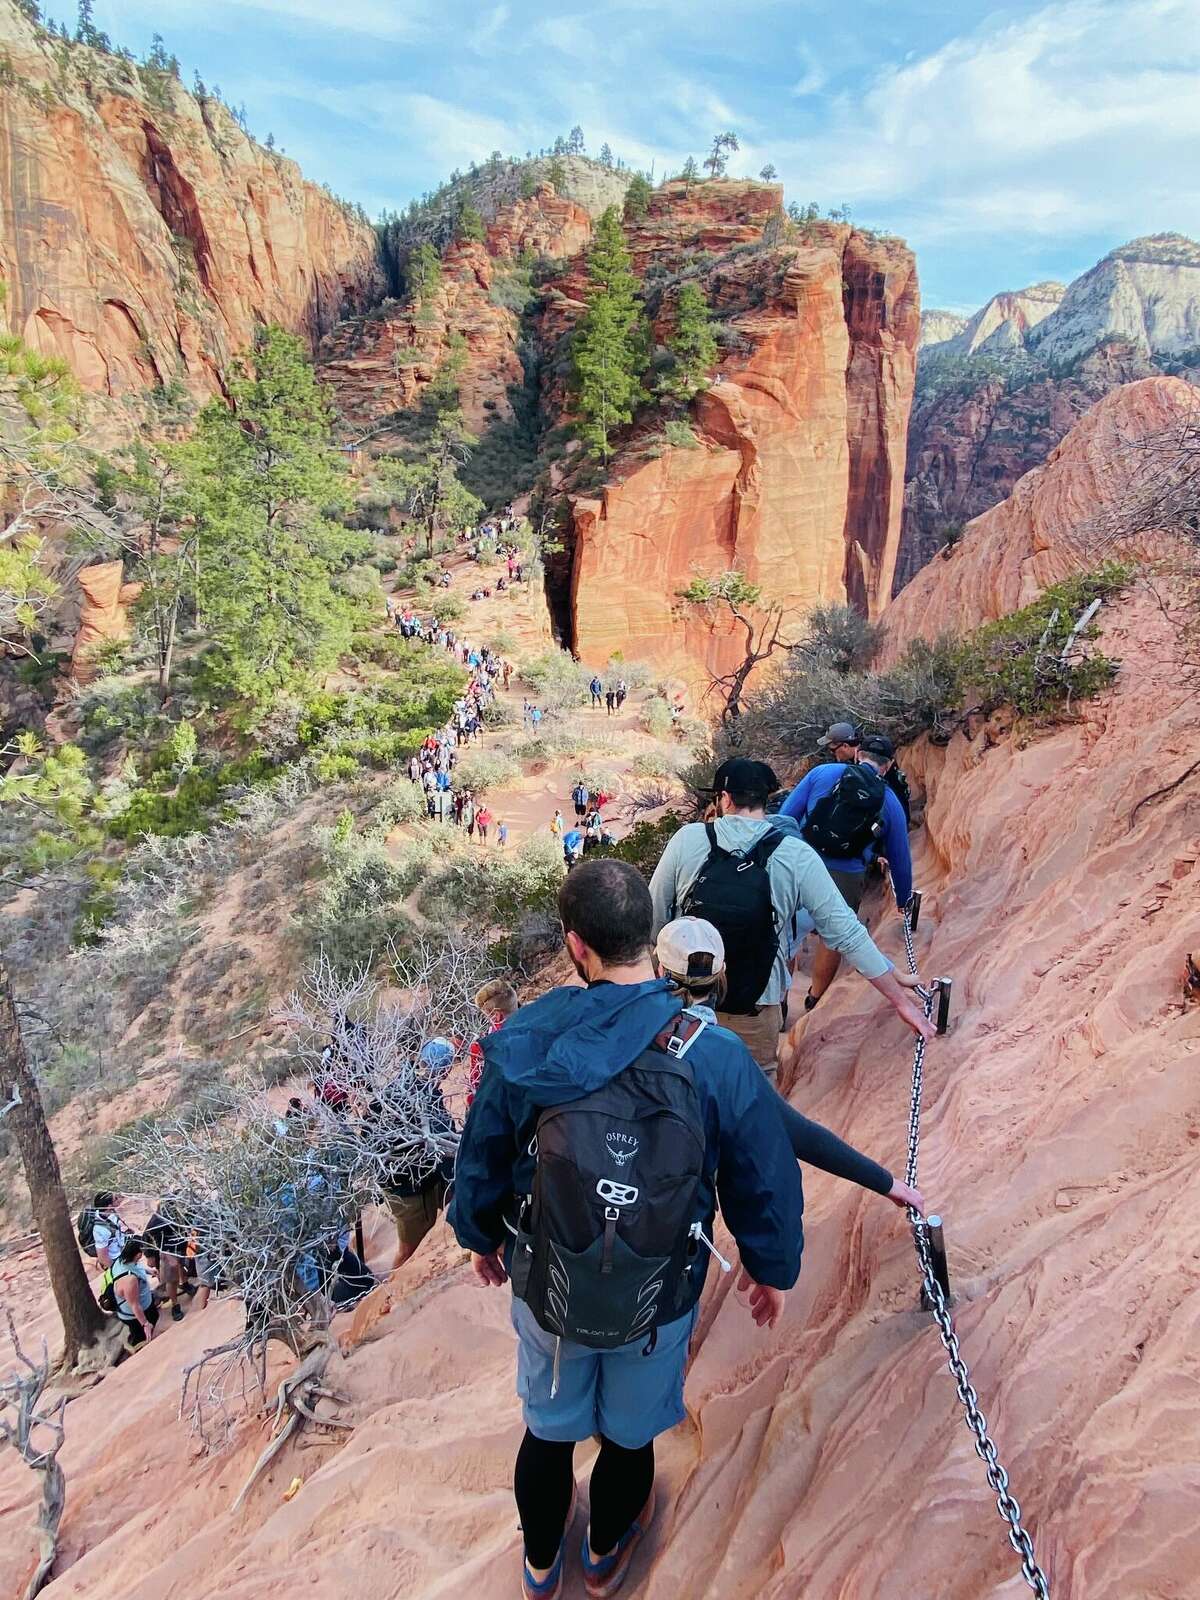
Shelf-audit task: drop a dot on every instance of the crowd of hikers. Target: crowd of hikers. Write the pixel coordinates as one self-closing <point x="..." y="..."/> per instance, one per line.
<point x="607" y="1121"/>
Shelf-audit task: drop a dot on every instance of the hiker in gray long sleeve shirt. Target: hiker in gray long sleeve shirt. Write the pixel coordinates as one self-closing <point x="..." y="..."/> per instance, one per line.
<point x="798" y="881"/>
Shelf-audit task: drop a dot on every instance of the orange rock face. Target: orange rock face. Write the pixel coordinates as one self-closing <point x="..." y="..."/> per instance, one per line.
<point x="103" y="616"/>
<point x="145" y="245"/>
<point x="798" y="476"/>
<point x="382" y="364"/>
<point x="1041" y="533"/>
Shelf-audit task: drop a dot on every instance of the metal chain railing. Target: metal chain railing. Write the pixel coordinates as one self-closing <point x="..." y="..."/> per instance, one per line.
<point x="935" y="1298"/>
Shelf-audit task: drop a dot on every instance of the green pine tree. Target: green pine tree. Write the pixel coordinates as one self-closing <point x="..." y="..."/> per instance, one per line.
<point x="262" y="483"/>
<point x="637" y="197"/>
<point x="609" y="353"/>
<point x="692" y="344"/>
<point x="469" y="224"/>
<point x="424" y="274"/>
<point x="556" y="174"/>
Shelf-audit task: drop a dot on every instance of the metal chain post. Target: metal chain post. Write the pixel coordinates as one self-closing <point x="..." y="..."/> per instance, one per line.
<point x="1006" y="1503"/>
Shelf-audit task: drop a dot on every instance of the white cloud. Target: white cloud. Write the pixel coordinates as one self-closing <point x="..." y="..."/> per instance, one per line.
<point x="484" y="35"/>
<point x="1085" y="115"/>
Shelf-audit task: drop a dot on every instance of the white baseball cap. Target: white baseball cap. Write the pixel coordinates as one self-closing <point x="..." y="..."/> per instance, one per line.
<point x="691" y="950"/>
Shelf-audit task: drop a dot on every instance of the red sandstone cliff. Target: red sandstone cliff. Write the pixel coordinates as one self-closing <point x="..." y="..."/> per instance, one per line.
<point x="798" y="476"/>
<point x="145" y="244"/>
<point x="381" y="364"/>
<point x="1043" y="531"/>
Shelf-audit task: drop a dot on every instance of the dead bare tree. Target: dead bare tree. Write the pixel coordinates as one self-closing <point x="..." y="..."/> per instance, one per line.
<point x="762" y="625"/>
<point x="270" y="1199"/>
<point x="35" y="1430"/>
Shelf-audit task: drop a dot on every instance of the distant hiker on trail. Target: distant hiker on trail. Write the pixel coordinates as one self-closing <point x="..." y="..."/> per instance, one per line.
<point x="849" y="816"/>
<point x="610" y="699"/>
<point x="580" y="798"/>
<point x="483" y="821"/>
<point x="640" y="1116"/>
<point x="416" y="1187"/>
<point x="468" y="815"/>
<point x="167" y="1232"/>
<point x="108" y="1232"/>
<point x="622" y="691"/>
<point x="133" y="1293"/>
<point x="691" y="953"/>
<point x="572" y="847"/>
<point x="557" y="825"/>
<point x="597" y="689"/>
<point x="535" y="718"/>
<point x="750" y="879"/>
<point x="414" y="768"/>
<point x="502" y="834"/>
<point x="497" y="1000"/>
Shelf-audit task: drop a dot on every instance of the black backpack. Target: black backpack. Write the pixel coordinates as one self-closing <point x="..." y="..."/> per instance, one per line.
<point x="606" y="1241"/>
<point x="733" y="892"/>
<point x="85" y="1229"/>
<point x="845" y="821"/>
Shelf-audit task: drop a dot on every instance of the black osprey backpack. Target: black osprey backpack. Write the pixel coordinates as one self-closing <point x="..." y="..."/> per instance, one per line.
<point x="733" y="892"/>
<point x="845" y="821"/>
<point x="606" y="1241"/>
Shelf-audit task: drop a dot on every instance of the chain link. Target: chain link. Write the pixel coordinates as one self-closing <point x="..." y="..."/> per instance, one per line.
<point x="1006" y="1502"/>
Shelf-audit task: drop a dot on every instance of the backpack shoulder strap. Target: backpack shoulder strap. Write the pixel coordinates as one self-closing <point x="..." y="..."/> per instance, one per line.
<point x="714" y="848"/>
<point x="678" y="1037"/>
<point x="766" y="847"/>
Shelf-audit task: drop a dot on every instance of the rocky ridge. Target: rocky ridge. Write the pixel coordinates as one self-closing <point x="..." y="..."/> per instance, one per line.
<point x="144" y="237"/>
<point x="993" y="402"/>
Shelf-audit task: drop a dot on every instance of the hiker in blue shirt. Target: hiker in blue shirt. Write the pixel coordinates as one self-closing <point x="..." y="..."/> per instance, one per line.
<point x="567" y="1045"/>
<point x="872" y="825"/>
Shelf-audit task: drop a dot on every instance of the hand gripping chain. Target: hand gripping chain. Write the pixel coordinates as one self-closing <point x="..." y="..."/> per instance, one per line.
<point x="1006" y="1503"/>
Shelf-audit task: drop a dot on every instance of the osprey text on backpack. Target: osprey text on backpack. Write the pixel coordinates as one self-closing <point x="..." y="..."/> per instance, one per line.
<point x="606" y="1241"/>
<point x="844" y="822"/>
<point x="733" y="892"/>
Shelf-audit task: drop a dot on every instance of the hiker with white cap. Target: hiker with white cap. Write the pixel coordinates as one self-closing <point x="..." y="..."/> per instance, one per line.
<point x="691" y="953"/>
<point x="750" y="878"/>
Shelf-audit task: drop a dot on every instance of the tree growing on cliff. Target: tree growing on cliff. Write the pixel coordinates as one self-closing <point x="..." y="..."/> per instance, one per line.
<point x="556" y="174"/>
<point x="761" y="622"/>
<point x="692" y="345"/>
<point x="637" y="197"/>
<point x="430" y="490"/>
<point x="468" y="225"/>
<point x="23" y="1116"/>
<point x="717" y="159"/>
<point x="575" y="144"/>
<point x="606" y="155"/>
<point x="609" y="354"/>
<point x="261" y="481"/>
<point x="690" y="172"/>
<point x="768" y="174"/>
<point x="424" y="272"/>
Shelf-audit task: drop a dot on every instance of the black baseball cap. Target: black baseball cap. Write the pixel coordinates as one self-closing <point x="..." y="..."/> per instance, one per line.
<point x="878" y="744"/>
<point x="741" y="776"/>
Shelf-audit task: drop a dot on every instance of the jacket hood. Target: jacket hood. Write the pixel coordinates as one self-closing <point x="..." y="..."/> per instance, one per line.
<point x="572" y="1040"/>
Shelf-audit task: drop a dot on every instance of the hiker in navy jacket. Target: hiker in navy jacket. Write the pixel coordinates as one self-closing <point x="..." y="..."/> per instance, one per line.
<point x="562" y="1046"/>
<point x="850" y="873"/>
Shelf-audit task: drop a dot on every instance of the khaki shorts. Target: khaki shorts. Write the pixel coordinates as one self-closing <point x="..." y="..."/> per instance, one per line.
<point x="415" y="1214"/>
<point x="850" y="885"/>
<point x="760" y="1035"/>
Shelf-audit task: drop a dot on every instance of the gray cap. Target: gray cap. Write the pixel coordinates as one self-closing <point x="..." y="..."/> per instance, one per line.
<point x="838" y="733"/>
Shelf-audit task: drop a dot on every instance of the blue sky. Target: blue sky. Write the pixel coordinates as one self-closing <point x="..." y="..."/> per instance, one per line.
<point x="1007" y="145"/>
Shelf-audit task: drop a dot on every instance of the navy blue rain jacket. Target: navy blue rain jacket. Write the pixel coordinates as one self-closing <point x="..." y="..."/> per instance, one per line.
<point x="570" y="1042"/>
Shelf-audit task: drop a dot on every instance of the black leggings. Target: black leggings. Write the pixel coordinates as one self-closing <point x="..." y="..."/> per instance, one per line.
<point x="543" y="1480"/>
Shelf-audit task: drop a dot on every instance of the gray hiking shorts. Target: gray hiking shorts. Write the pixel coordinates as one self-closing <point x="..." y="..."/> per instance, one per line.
<point x="850" y="885"/>
<point x="628" y="1396"/>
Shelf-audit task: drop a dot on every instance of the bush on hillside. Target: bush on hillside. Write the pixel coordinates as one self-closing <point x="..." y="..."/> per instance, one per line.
<point x="495" y="889"/>
<point x="556" y="680"/>
<point x="482" y="771"/>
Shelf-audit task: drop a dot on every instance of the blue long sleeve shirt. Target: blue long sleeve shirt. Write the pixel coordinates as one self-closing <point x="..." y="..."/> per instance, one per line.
<point x="568" y="1043"/>
<point x="894" y="843"/>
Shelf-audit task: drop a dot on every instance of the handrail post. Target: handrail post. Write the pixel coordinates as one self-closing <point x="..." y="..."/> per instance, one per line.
<point x="943" y="987"/>
<point x="914" y="910"/>
<point x="937" y="1258"/>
